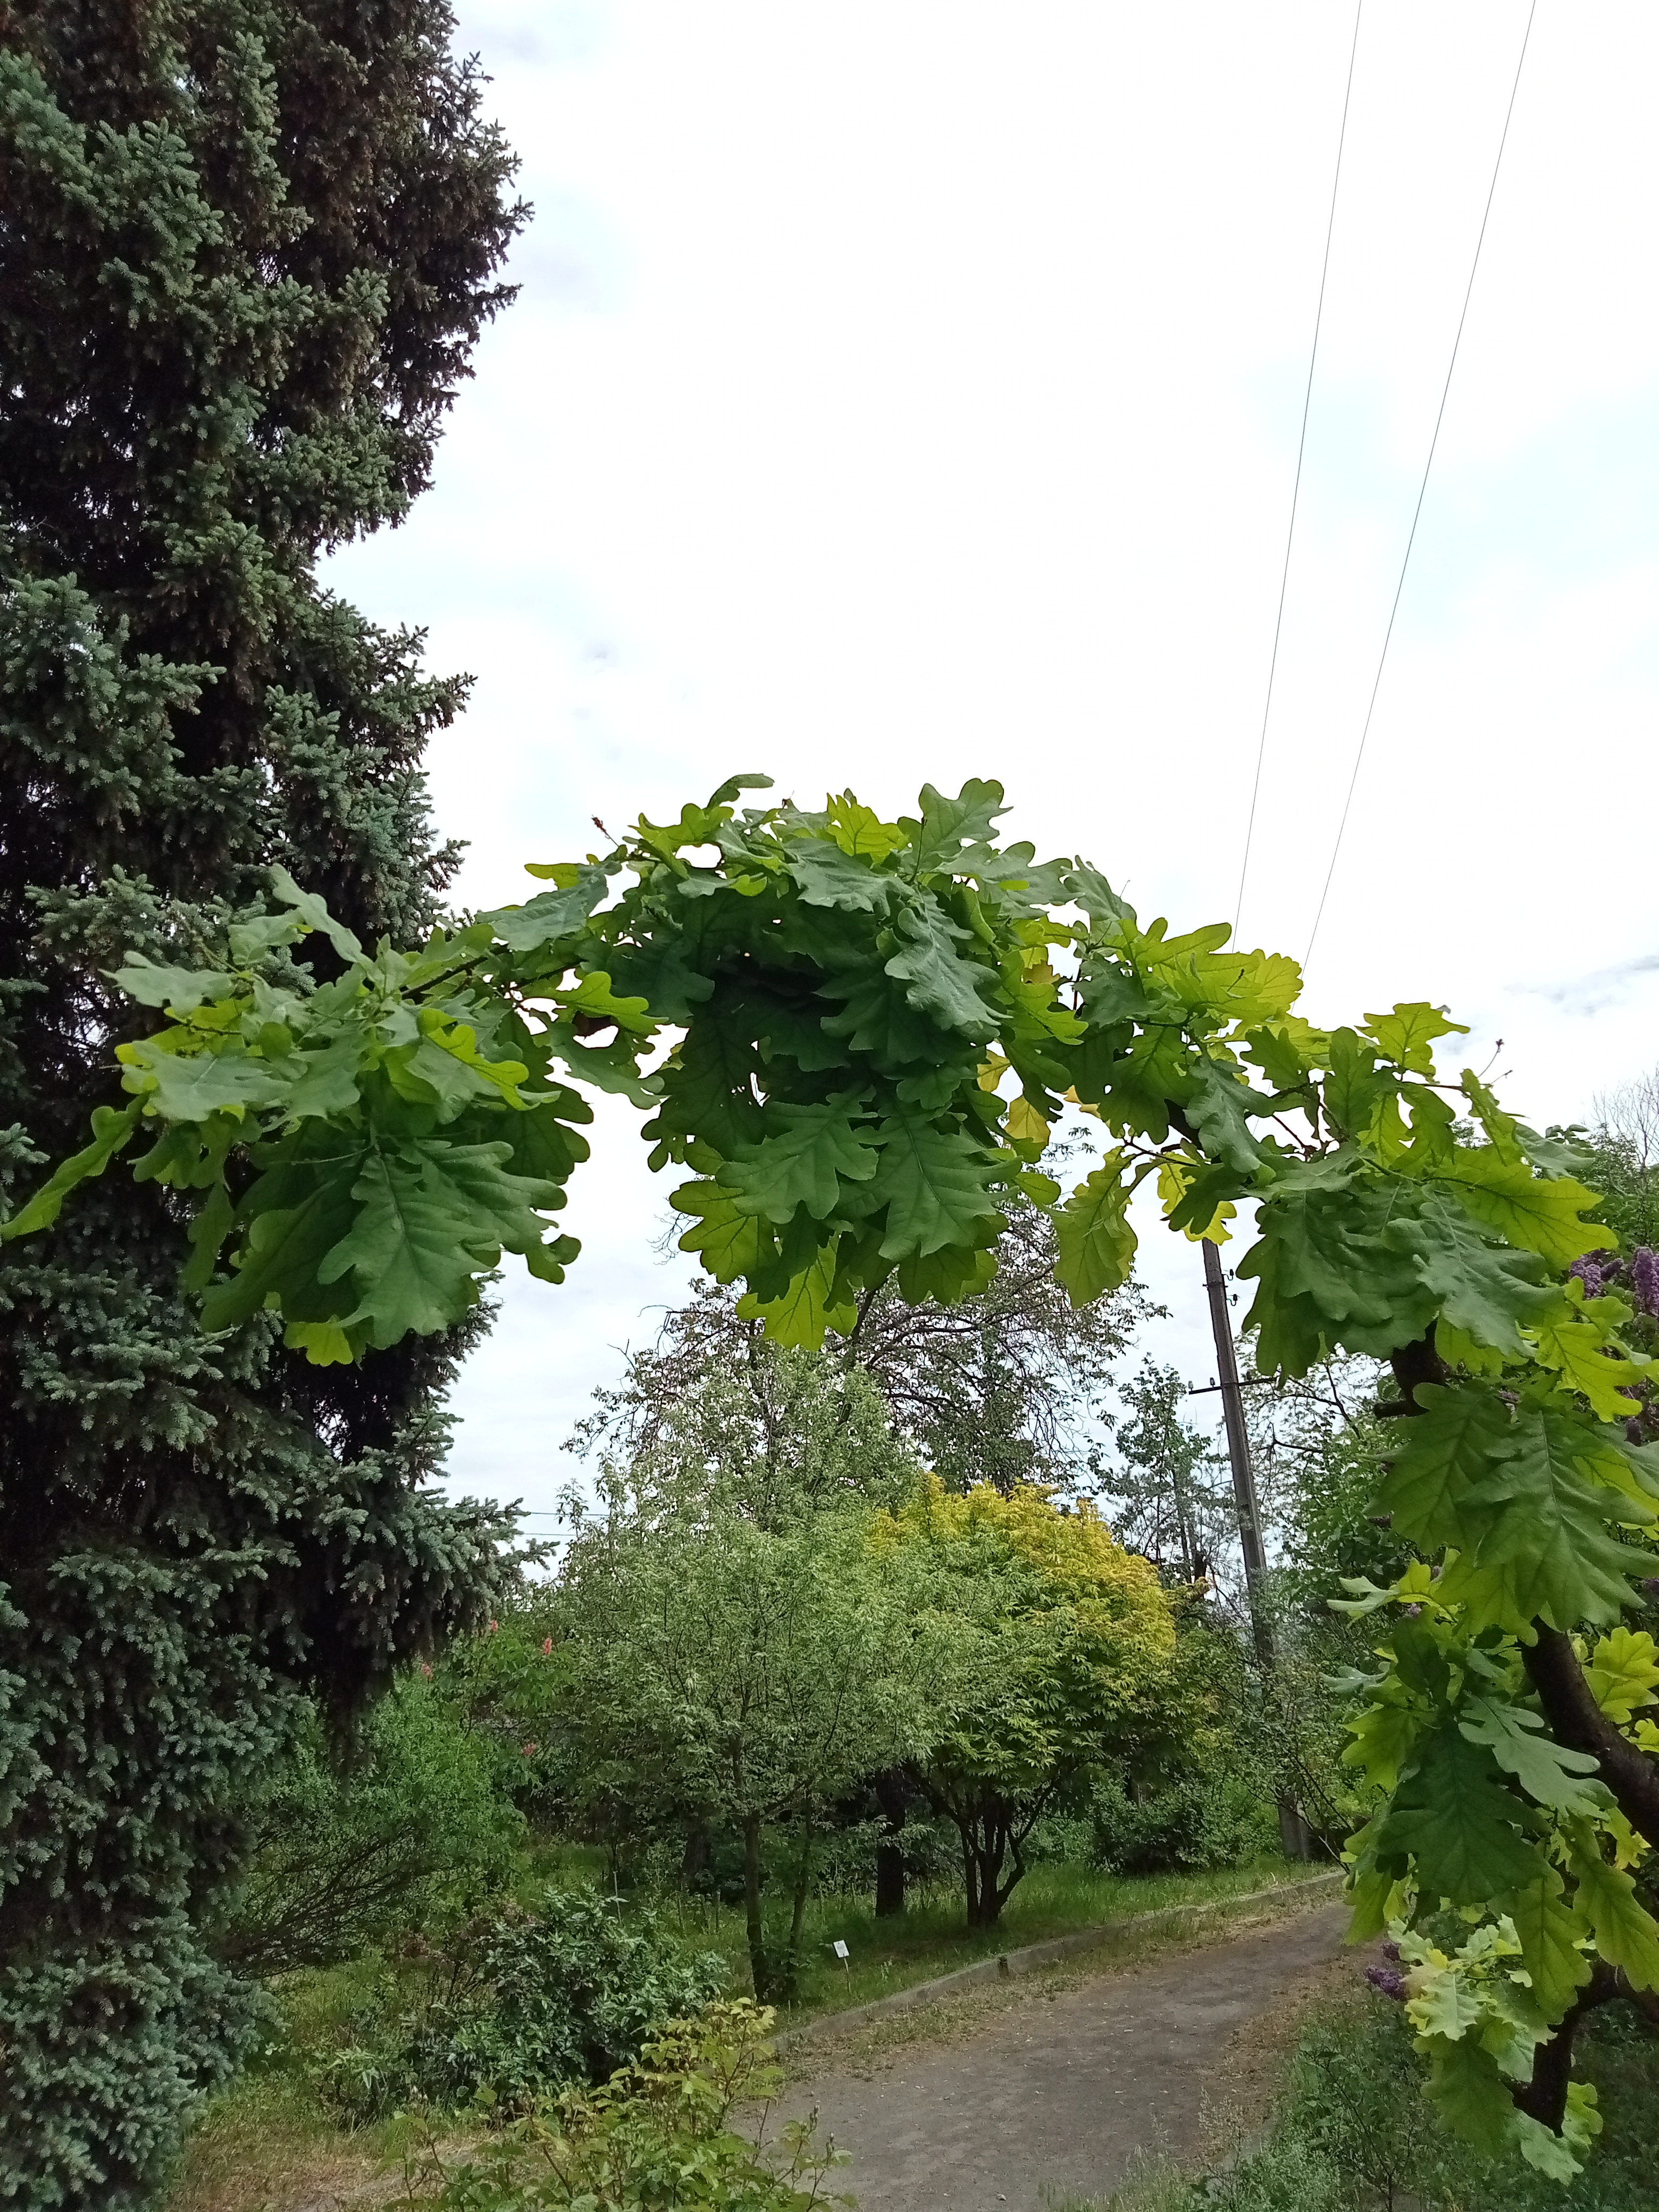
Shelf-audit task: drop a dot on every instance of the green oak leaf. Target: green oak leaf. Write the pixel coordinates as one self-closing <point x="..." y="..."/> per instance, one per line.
<point x="806" y="1309"/>
<point x="1356" y="1089"/>
<point x="935" y="1184"/>
<point x="1550" y="1774"/>
<point x="938" y="980"/>
<point x="189" y="1087"/>
<point x="1550" y="1934"/>
<point x="1443" y="1457"/>
<point x="1534" y="1530"/>
<point x="315" y="914"/>
<point x="1219" y="1108"/>
<point x="1536" y="1214"/>
<point x="181" y="989"/>
<point x="1451" y="1815"/>
<point x="947" y="824"/>
<point x="256" y="934"/>
<point x="946" y="1277"/>
<point x="111" y="1131"/>
<point x="295" y="1213"/>
<point x="729" y="1244"/>
<point x="1095" y="1246"/>
<point x="550" y="915"/>
<point x="326" y="1082"/>
<point x="430" y="1219"/>
<point x="1489" y="1290"/>
<point x="811" y="1151"/>
<point x="709" y="1088"/>
<point x="1626" y="1933"/>
<point x="877" y="1016"/>
<point x="1470" y="2094"/>
<point x="828" y="875"/>
<point x="1407" y="1035"/>
<point x="1331" y="1247"/>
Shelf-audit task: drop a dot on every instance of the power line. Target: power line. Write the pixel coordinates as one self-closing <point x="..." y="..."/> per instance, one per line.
<point x="1296" y="488"/>
<point x="1469" y="293"/>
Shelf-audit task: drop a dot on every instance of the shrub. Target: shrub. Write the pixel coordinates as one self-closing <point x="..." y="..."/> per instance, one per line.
<point x="657" y="2135"/>
<point x="522" y="2006"/>
<point x="1200" y="1822"/>
<point x="410" y="1834"/>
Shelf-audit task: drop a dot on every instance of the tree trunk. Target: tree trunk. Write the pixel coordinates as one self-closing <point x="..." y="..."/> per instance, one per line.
<point x="699" y="1850"/>
<point x="791" y="1974"/>
<point x="984" y="1844"/>
<point x="759" y="1970"/>
<point x="889" y="1855"/>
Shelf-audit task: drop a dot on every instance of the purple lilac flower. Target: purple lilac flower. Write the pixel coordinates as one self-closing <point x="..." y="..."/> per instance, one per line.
<point x="1386" y="1978"/>
<point x="1591" y="1274"/>
<point x="1645" y="1277"/>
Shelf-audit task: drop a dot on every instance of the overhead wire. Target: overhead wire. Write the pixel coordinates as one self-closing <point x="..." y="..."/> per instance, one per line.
<point x="1296" y="488"/>
<point x="1376" y="682"/>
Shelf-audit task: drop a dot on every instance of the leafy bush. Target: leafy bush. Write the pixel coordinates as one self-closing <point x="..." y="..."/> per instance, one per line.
<point x="1200" y="1822"/>
<point x="521" y="2006"/>
<point x="657" y="2135"/>
<point x="411" y="1834"/>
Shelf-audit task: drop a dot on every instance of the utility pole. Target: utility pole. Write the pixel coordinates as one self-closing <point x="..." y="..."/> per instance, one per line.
<point x="1293" y="1828"/>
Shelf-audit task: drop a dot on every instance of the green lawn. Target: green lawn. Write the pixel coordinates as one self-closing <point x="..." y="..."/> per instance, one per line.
<point x="932" y="1937"/>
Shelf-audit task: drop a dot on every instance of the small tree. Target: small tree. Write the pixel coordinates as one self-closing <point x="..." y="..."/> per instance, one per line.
<point x="1168" y="1500"/>
<point x="748" y="1674"/>
<point x="1067" y="1640"/>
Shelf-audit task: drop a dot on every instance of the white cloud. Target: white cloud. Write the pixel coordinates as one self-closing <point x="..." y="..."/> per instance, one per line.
<point x="904" y="392"/>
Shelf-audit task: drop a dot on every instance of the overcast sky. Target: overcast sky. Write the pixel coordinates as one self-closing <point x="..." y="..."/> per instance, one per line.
<point x="905" y="392"/>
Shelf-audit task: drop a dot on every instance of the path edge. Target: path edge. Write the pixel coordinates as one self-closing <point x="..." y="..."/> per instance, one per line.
<point x="1006" y="1964"/>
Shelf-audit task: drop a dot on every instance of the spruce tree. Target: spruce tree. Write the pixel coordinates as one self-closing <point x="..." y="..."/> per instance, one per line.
<point x="245" y="249"/>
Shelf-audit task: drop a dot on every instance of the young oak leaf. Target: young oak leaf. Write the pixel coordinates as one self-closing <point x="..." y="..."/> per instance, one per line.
<point x="804" y="1313"/>
<point x="1539" y="1213"/>
<point x="1583" y="1346"/>
<point x="1623" y="1672"/>
<point x="1407" y="1035"/>
<point x="729" y="1244"/>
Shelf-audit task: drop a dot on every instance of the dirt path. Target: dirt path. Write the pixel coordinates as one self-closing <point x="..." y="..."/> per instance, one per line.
<point x="1053" y="2094"/>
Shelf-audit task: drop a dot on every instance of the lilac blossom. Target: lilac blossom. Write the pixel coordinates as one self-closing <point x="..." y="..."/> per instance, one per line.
<point x="1644" y="1278"/>
<point x="1389" y="1980"/>
<point x="1591" y="1274"/>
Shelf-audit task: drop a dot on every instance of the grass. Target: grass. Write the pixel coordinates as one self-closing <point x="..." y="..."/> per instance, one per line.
<point x="933" y="1937"/>
<point x="271" y="2140"/>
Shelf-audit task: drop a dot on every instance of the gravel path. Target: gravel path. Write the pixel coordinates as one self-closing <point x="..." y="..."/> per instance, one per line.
<point x="1053" y="2096"/>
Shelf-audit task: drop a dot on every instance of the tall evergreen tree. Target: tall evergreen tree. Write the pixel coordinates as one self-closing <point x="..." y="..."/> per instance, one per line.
<point x="245" y="249"/>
